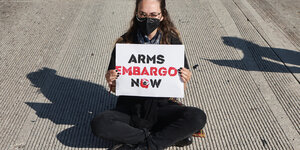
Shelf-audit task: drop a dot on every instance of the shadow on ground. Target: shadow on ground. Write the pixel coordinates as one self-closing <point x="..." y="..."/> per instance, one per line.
<point x="73" y="102"/>
<point x="266" y="58"/>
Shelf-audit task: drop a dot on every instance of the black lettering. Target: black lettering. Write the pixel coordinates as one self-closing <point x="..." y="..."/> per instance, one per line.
<point x="155" y="83"/>
<point x="141" y="58"/>
<point x="151" y="59"/>
<point x="161" y="58"/>
<point x="132" y="59"/>
<point x="133" y="82"/>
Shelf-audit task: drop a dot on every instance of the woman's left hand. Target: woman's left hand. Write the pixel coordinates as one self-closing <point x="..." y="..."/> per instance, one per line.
<point x="185" y="74"/>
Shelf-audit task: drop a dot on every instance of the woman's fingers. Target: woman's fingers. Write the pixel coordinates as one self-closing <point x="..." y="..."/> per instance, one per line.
<point x="113" y="72"/>
<point x="185" y="74"/>
<point x="113" y="83"/>
<point x="184" y="77"/>
<point x="112" y="87"/>
<point x="112" y="75"/>
<point x="111" y="79"/>
<point x="116" y="73"/>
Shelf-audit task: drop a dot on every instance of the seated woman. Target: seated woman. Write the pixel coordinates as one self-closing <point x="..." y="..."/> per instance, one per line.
<point x="149" y="122"/>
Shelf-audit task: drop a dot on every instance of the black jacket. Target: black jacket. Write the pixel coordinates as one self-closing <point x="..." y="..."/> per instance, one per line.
<point x="143" y="110"/>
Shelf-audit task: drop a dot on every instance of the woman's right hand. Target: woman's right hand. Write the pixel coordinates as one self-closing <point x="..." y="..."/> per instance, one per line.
<point x="111" y="77"/>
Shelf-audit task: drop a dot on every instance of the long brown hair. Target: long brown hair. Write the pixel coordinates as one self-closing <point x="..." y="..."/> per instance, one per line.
<point x="166" y="26"/>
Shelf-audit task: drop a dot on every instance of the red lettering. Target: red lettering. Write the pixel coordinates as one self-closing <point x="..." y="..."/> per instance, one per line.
<point x="153" y="71"/>
<point x="162" y="71"/>
<point x="145" y="72"/>
<point x="170" y="71"/>
<point x="136" y="71"/>
<point x="129" y="71"/>
<point x="118" y="68"/>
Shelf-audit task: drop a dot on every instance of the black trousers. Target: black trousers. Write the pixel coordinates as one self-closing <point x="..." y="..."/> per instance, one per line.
<point x="174" y="123"/>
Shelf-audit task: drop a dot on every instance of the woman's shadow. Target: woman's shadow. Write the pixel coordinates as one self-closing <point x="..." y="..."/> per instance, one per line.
<point x="265" y="57"/>
<point x="73" y="102"/>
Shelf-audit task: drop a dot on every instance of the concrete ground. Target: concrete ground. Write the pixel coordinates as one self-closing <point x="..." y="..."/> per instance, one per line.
<point x="244" y="56"/>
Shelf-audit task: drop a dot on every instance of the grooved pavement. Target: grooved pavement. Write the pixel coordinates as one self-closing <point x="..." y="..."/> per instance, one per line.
<point x="54" y="54"/>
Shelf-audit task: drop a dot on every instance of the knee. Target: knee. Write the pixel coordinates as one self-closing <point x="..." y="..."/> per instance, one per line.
<point x="196" y="116"/>
<point x="99" y="124"/>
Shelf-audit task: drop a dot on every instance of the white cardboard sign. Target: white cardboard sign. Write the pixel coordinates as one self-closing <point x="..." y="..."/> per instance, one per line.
<point x="149" y="70"/>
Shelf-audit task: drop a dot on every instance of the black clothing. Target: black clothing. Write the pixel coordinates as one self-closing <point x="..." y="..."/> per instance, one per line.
<point x="143" y="109"/>
<point x="174" y="123"/>
<point x="144" y="39"/>
<point x="167" y="121"/>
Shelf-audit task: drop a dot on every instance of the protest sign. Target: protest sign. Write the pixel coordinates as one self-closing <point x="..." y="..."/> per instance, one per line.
<point x="149" y="70"/>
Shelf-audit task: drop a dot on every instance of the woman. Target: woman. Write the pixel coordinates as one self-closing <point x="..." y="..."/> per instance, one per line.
<point x="149" y="122"/>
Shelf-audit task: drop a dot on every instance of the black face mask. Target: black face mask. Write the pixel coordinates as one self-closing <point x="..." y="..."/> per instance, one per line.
<point x="148" y="25"/>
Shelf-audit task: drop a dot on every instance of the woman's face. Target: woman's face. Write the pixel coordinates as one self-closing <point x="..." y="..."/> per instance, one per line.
<point x="150" y="8"/>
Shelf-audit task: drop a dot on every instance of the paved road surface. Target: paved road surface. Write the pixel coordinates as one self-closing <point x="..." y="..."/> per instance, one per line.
<point x="244" y="55"/>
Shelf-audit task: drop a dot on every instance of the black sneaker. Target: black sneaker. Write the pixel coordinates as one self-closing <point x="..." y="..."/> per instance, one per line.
<point x="185" y="142"/>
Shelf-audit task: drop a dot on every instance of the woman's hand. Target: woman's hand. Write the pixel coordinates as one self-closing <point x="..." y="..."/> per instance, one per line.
<point x="185" y="75"/>
<point x="111" y="77"/>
